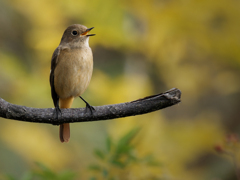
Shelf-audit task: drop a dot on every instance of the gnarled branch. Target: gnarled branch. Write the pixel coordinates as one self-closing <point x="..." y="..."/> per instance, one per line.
<point x="140" y="106"/>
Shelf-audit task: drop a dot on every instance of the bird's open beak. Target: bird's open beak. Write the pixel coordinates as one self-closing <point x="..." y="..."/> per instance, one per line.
<point x="87" y="31"/>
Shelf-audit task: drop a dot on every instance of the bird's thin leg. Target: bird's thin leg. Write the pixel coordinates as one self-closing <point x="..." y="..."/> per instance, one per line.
<point x="88" y="106"/>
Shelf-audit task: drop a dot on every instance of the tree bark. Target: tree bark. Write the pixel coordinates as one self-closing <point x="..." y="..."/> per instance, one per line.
<point x="137" y="107"/>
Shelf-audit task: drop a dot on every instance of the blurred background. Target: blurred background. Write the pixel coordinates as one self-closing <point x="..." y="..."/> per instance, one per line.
<point x="140" y="48"/>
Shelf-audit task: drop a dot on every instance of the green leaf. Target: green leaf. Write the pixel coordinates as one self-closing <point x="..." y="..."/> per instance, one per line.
<point x="123" y="144"/>
<point x="44" y="171"/>
<point x="149" y="160"/>
<point x="99" y="154"/>
<point x="105" y="172"/>
<point x="27" y="176"/>
<point x="109" y="143"/>
<point x="47" y="174"/>
<point x="95" y="167"/>
<point x="118" y="163"/>
<point x="66" y="175"/>
<point x="9" y="177"/>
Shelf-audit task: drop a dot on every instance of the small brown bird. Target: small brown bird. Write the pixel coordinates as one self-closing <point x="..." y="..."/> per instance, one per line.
<point x="71" y="71"/>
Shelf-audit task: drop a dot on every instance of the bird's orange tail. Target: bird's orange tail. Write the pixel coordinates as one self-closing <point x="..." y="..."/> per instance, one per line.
<point x="64" y="131"/>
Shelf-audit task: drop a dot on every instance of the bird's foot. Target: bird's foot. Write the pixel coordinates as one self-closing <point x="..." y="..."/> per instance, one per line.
<point x="56" y="112"/>
<point x="91" y="108"/>
<point x="88" y="106"/>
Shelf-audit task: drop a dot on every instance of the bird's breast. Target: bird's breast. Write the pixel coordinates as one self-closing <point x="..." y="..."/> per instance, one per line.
<point x="73" y="72"/>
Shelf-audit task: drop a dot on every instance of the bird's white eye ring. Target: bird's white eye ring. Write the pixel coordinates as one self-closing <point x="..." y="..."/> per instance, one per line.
<point x="74" y="33"/>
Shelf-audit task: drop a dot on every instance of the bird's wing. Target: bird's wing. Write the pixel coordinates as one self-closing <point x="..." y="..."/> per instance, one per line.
<point x="54" y="62"/>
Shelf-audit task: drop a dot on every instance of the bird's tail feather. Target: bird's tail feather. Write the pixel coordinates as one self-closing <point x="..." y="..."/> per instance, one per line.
<point x="64" y="131"/>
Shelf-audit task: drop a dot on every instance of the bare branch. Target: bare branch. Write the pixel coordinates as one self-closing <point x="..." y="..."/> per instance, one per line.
<point x="137" y="107"/>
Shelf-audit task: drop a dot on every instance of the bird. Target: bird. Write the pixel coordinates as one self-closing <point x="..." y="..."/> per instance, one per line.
<point x="71" y="72"/>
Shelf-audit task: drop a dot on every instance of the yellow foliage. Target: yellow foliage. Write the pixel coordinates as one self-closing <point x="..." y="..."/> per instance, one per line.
<point x="121" y="89"/>
<point x="34" y="143"/>
<point x="191" y="45"/>
<point x="175" y="144"/>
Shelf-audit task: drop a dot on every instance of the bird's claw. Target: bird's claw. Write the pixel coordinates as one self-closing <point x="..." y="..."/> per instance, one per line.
<point x="91" y="108"/>
<point x="56" y="112"/>
<point x="88" y="106"/>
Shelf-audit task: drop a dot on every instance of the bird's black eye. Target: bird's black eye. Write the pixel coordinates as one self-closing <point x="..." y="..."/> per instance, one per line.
<point x="74" y="33"/>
